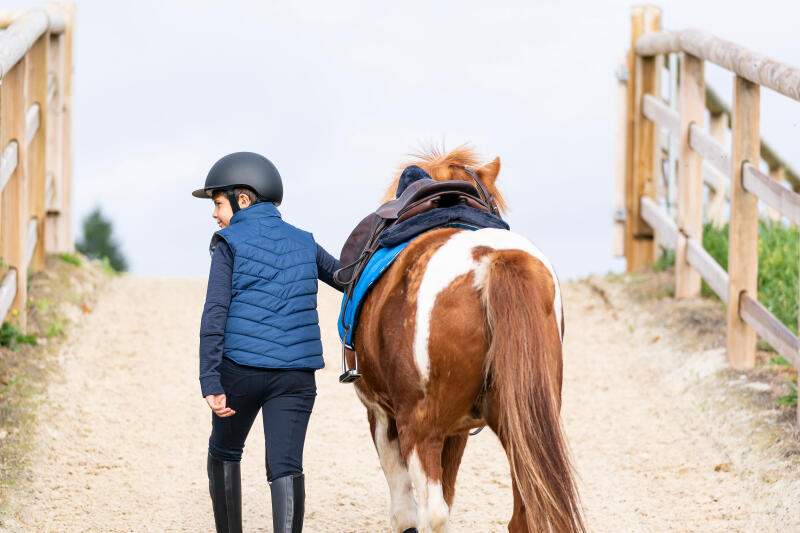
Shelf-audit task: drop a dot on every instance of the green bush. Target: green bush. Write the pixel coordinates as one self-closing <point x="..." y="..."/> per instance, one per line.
<point x="778" y="255"/>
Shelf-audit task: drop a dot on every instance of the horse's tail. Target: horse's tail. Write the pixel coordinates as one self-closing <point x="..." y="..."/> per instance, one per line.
<point x="523" y="373"/>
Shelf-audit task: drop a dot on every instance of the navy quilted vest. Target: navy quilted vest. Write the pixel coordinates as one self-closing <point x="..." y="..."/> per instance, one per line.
<point x="272" y="320"/>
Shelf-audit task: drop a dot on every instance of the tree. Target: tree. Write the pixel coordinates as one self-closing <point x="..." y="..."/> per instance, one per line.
<point x="98" y="241"/>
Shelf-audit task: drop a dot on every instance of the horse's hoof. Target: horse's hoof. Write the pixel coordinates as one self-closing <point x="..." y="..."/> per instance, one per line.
<point x="410" y="530"/>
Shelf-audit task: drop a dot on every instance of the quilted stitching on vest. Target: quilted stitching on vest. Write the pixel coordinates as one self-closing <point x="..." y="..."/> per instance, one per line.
<point x="272" y="320"/>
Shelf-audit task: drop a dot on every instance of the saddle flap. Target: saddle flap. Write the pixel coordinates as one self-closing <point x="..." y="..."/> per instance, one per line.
<point x="354" y="247"/>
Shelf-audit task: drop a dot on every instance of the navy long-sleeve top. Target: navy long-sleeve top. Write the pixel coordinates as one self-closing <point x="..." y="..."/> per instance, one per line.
<point x="218" y="300"/>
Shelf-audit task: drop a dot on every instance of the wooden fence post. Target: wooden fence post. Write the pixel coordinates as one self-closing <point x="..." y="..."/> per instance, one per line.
<point x="717" y="125"/>
<point x="36" y="80"/>
<point x="59" y="161"/>
<point x="14" y="195"/>
<point x="54" y="142"/>
<point x="743" y="229"/>
<point x="690" y="173"/>
<point x="642" y="143"/>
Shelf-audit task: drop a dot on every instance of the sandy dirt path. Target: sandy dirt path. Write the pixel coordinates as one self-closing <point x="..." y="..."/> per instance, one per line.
<point x="122" y="436"/>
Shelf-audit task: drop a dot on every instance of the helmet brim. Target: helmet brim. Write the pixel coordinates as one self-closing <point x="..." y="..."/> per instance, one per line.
<point x="202" y="193"/>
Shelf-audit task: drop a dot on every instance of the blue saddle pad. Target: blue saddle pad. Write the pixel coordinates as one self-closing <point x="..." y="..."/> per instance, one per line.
<point x="348" y="314"/>
<point x="380" y="261"/>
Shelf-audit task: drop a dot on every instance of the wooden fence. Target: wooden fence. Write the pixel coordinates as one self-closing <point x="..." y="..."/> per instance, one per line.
<point x="35" y="165"/>
<point x="646" y="113"/>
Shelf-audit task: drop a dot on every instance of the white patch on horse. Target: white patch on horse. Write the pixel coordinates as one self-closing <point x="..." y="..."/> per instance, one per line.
<point x="454" y="259"/>
<point x="403" y="509"/>
<point x="434" y="514"/>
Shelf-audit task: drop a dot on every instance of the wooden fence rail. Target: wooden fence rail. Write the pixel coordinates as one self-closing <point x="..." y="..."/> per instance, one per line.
<point x="646" y="113"/>
<point x="35" y="160"/>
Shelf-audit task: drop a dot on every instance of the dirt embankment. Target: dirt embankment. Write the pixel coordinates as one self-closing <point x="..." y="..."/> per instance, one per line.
<point x="58" y="298"/>
<point x="665" y="437"/>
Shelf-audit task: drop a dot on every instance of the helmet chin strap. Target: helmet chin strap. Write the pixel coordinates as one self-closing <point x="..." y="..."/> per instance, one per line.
<point x="233" y="200"/>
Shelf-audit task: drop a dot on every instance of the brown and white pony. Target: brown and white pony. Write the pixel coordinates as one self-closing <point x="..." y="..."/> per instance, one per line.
<point x="465" y="330"/>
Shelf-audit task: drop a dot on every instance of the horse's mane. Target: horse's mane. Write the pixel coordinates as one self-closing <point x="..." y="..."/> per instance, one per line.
<point x="442" y="166"/>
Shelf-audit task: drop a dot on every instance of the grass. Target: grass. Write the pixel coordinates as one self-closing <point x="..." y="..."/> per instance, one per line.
<point x="70" y="258"/>
<point x="778" y="278"/>
<point x="12" y="337"/>
<point x="56" y="326"/>
<point x="789" y="399"/>
<point x="9" y="385"/>
<point x="43" y="304"/>
<point x="778" y="257"/>
<point x="665" y="261"/>
<point x="105" y="266"/>
<point x="715" y="241"/>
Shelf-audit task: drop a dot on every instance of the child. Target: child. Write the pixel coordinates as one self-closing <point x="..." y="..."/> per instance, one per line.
<point x="259" y="337"/>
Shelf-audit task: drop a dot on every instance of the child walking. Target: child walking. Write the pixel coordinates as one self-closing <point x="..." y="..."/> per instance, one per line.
<point x="259" y="337"/>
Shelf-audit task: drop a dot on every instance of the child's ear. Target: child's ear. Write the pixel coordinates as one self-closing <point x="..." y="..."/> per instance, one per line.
<point x="244" y="201"/>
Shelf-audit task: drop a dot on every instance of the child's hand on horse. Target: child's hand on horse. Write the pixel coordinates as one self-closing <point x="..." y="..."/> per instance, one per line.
<point x="217" y="404"/>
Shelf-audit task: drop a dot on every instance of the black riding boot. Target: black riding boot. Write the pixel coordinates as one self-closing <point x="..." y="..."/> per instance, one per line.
<point x="288" y="503"/>
<point x="225" y="487"/>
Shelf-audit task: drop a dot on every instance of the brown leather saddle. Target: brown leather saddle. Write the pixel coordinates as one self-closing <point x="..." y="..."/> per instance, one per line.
<point x="419" y="197"/>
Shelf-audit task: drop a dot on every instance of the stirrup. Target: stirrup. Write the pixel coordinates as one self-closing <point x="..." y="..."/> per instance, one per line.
<point x="349" y="376"/>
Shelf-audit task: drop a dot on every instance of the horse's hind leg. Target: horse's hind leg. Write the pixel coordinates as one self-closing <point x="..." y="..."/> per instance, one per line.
<point x="518" y="522"/>
<point x="425" y="467"/>
<point x="452" y="452"/>
<point x="384" y="434"/>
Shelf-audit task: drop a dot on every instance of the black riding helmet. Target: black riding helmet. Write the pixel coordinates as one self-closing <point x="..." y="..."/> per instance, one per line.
<point x="243" y="169"/>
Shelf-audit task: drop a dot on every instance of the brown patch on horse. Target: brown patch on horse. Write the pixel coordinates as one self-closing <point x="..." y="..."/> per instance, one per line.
<point x="456" y="349"/>
<point x="479" y="252"/>
<point x="457" y="346"/>
<point x="450" y="166"/>
<point x="524" y="373"/>
<point x="385" y="335"/>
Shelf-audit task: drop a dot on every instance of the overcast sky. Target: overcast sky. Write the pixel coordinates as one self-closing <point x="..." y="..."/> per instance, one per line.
<point x="336" y="93"/>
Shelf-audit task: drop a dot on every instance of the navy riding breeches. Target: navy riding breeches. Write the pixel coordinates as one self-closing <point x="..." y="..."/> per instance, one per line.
<point x="285" y="397"/>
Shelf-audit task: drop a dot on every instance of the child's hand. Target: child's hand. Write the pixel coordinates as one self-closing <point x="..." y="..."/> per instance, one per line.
<point x="217" y="404"/>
